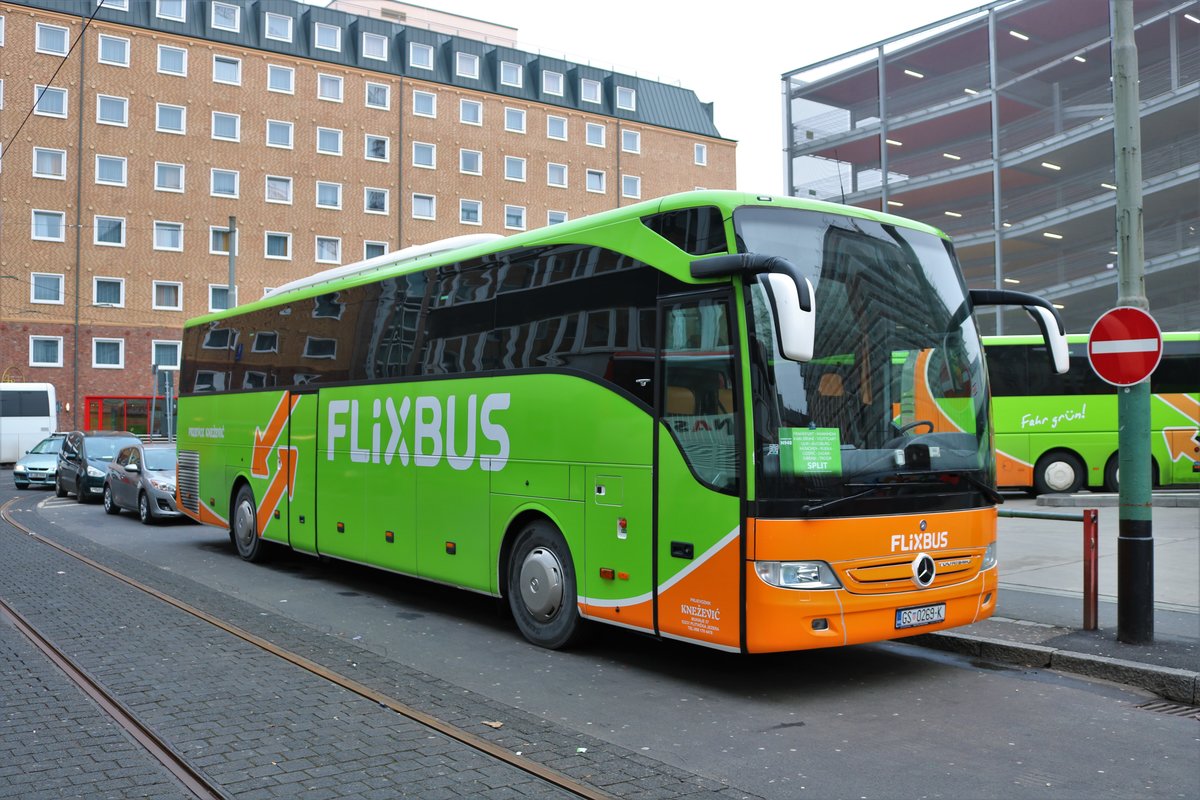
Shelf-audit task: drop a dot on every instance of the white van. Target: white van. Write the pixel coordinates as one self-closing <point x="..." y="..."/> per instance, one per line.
<point x="28" y="414"/>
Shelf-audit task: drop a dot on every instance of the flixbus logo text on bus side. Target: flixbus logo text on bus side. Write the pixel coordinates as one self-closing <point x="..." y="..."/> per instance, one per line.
<point x="431" y="424"/>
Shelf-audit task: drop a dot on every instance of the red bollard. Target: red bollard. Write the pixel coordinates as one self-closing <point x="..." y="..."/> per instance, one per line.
<point x="1091" y="558"/>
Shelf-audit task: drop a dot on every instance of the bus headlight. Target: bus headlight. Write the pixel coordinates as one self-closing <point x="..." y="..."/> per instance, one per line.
<point x="797" y="574"/>
<point x="989" y="557"/>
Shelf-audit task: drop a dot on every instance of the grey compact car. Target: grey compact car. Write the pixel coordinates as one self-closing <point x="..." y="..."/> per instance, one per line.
<point x="142" y="478"/>
<point x="40" y="464"/>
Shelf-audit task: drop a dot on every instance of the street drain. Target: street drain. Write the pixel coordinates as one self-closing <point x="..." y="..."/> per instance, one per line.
<point x="1174" y="709"/>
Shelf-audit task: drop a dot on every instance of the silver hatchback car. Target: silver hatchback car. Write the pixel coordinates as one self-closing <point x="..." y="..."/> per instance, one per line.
<point x="142" y="478"/>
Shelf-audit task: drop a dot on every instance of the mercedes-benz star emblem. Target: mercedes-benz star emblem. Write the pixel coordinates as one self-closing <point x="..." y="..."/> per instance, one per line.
<point x="923" y="569"/>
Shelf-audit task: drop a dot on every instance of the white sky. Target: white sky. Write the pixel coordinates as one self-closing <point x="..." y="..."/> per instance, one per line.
<point x="730" y="54"/>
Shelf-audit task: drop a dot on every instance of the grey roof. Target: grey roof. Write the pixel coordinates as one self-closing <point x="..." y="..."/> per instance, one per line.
<point x="658" y="104"/>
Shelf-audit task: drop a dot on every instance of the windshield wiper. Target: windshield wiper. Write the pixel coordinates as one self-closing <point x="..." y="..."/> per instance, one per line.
<point x="952" y="476"/>
<point x="872" y="488"/>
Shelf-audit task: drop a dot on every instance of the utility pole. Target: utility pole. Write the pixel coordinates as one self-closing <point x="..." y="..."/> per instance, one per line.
<point x="1135" y="542"/>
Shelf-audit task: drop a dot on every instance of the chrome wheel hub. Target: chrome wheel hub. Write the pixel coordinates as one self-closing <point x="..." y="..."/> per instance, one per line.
<point x="541" y="583"/>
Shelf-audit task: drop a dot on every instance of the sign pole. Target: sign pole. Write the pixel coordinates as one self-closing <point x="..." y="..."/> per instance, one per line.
<point x="1135" y="542"/>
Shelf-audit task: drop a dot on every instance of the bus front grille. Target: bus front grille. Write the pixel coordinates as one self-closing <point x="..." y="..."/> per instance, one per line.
<point x="189" y="480"/>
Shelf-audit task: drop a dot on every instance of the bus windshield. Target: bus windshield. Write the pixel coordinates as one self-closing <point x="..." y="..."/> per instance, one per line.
<point x="893" y="405"/>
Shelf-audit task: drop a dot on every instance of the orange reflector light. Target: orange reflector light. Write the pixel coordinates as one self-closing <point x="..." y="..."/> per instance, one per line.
<point x="341" y="527"/>
<point x="451" y="548"/>
<point x="390" y="536"/>
<point x="607" y="573"/>
<point x="623" y="576"/>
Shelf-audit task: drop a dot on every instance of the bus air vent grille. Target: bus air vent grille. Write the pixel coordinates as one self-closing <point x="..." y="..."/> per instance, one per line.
<point x="189" y="480"/>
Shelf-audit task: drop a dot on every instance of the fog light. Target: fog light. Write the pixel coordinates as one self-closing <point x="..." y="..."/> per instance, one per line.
<point x="820" y="624"/>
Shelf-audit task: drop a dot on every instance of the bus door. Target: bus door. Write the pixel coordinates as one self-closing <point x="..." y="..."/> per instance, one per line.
<point x="300" y="504"/>
<point x="698" y="548"/>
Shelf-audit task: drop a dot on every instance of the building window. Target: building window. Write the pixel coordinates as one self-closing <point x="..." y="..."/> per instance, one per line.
<point x="374" y="46"/>
<point x="226" y="127"/>
<point x="470" y="162"/>
<point x="168" y="236"/>
<point x="466" y="65"/>
<point x="112" y="110"/>
<point x="631" y="141"/>
<point x="595" y="181"/>
<point x="164" y="353"/>
<point x="219" y="241"/>
<point x="114" y="51"/>
<point x="265" y="342"/>
<point x="379" y="95"/>
<point x="702" y="155"/>
<point x="278" y="27"/>
<point x="224" y="183"/>
<point x="556" y="217"/>
<point x="110" y="170"/>
<point x="420" y="56"/>
<point x="278" y="246"/>
<point x="327" y="37"/>
<point x="424" y="206"/>
<point x="424" y="155"/>
<point x="279" y="134"/>
<point x="329" y="195"/>
<point x="470" y="212"/>
<point x="329" y="250"/>
<point x="631" y="186"/>
<point x="171" y="9"/>
<point x="108" y="292"/>
<point x="514" y="120"/>
<point x="552" y="83"/>
<point x="374" y="249"/>
<point x="219" y="300"/>
<point x="49" y="101"/>
<point x="108" y="353"/>
<point x="281" y="79"/>
<point x="595" y="134"/>
<point x="48" y="163"/>
<point x="227" y="70"/>
<point x="49" y="226"/>
<point x="589" y="90"/>
<point x="626" y="99"/>
<point x="45" y="351"/>
<point x="376" y="148"/>
<point x="320" y="347"/>
<point x="51" y="39"/>
<point x="514" y="218"/>
<point x="279" y="189"/>
<point x="424" y="104"/>
<point x="470" y="112"/>
<point x="329" y="141"/>
<point x="170" y="119"/>
<point x="108" y="231"/>
<point x="556" y="175"/>
<point x="375" y="201"/>
<point x="109" y="5"/>
<point x="329" y="87"/>
<point x="556" y="128"/>
<point x="46" y="287"/>
<point x="168" y="296"/>
<point x="514" y="168"/>
<point x="172" y="60"/>
<point x="512" y="74"/>
<point x="168" y="177"/>
<point x="225" y="17"/>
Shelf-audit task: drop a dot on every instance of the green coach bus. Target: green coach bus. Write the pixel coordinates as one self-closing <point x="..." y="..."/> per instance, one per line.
<point x="677" y="417"/>
<point x="1058" y="433"/>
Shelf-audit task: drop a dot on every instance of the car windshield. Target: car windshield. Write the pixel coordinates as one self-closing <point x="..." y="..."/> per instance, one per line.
<point x="104" y="448"/>
<point x="47" y="446"/>
<point x="160" y="460"/>
<point x="893" y="405"/>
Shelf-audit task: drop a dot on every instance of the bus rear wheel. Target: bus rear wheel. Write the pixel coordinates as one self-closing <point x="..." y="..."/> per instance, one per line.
<point x="542" y="593"/>
<point x="1059" y="472"/>
<point x="1112" y="474"/>
<point x="243" y="527"/>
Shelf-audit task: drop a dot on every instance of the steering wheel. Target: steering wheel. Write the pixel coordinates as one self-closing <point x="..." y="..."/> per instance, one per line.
<point x="915" y="424"/>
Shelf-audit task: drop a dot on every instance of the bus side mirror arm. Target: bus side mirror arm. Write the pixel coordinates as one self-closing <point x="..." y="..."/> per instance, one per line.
<point x="791" y="295"/>
<point x="1043" y="313"/>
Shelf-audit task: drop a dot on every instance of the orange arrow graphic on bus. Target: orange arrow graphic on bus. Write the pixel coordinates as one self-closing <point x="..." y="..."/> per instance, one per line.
<point x="1185" y="404"/>
<point x="264" y="441"/>
<point x="1182" y="443"/>
<point x="285" y="478"/>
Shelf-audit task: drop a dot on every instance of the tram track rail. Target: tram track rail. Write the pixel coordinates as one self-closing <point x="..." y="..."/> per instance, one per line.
<point x="195" y="781"/>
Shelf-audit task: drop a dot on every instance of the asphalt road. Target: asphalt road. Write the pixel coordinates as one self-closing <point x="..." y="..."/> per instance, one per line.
<point x="888" y="720"/>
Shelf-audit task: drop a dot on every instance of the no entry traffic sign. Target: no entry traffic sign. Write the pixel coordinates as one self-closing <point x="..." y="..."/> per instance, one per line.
<point x="1125" y="346"/>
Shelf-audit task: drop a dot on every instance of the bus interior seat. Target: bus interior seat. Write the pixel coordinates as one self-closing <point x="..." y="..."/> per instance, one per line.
<point x="681" y="400"/>
<point x="830" y="385"/>
<point x="725" y="400"/>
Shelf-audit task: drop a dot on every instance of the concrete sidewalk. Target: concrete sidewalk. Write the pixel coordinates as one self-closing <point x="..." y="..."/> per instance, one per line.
<point x="1039" y="617"/>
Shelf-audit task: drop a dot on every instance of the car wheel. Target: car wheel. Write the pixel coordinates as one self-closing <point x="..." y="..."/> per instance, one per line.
<point x="80" y="492"/>
<point x="243" y="527"/>
<point x="110" y="506"/>
<point x="59" y="491"/>
<point x="144" y="512"/>
<point x="1058" y="472"/>
<point x="542" y="591"/>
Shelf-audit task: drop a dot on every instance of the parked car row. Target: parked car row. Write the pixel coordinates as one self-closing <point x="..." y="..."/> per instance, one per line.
<point x="113" y="466"/>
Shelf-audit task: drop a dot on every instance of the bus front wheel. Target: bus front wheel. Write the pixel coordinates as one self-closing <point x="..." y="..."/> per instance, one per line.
<point x="1059" y="472"/>
<point x="542" y="591"/>
<point x="243" y="527"/>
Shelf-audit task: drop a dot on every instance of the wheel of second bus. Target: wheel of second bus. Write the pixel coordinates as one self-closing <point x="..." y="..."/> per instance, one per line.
<point x="541" y="587"/>
<point x="1058" y="472"/>
<point x="243" y="527"/>
<point x="1112" y="474"/>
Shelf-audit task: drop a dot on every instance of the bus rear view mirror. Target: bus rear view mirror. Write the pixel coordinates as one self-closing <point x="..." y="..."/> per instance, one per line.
<point x="1043" y="314"/>
<point x="794" y="325"/>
